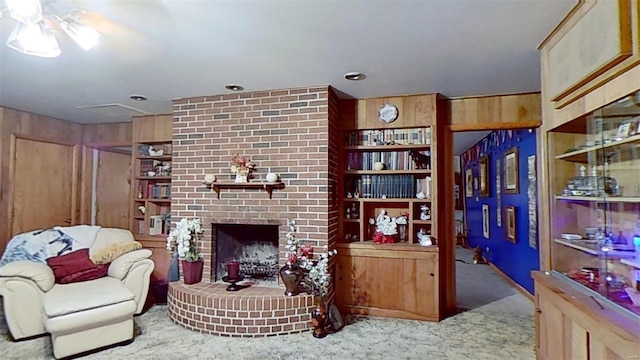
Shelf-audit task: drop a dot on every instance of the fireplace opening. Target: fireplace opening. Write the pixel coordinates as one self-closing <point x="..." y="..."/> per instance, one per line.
<point x="255" y="247"/>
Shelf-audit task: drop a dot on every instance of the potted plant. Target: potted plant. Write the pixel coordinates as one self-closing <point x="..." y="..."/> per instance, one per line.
<point x="185" y="237"/>
<point x="242" y="167"/>
<point x="297" y="256"/>
<point x="318" y="279"/>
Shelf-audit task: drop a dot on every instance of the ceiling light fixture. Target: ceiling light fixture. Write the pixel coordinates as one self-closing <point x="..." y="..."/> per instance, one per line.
<point x="32" y="35"/>
<point x="25" y="11"/>
<point x="34" y="39"/>
<point x="354" y="76"/>
<point x="234" y="87"/>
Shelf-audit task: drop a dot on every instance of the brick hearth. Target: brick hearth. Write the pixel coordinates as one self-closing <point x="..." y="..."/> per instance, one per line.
<point x="252" y="312"/>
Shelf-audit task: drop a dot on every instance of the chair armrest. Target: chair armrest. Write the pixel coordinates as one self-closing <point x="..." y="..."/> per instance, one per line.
<point x="121" y="266"/>
<point x="39" y="273"/>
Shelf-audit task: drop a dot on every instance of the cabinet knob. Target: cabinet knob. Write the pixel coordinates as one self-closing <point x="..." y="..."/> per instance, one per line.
<point x="538" y="311"/>
<point x="432" y="274"/>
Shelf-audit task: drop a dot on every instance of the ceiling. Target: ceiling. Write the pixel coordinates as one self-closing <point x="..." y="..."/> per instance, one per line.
<point x="170" y="49"/>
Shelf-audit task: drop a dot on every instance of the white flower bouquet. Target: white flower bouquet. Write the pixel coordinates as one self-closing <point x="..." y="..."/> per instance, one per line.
<point x="185" y="237"/>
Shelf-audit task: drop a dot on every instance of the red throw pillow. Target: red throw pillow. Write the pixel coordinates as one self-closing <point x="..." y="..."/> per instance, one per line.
<point x="75" y="266"/>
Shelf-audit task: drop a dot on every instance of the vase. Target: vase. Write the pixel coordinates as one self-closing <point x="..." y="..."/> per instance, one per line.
<point x="192" y="271"/>
<point x="402" y="231"/>
<point x="174" y="268"/>
<point x="319" y="318"/>
<point x="242" y="178"/>
<point x="291" y="277"/>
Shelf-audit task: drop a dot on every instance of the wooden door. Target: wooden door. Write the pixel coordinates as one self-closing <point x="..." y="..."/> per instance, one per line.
<point x="112" y="190"/>
<point x="44" y="185"/>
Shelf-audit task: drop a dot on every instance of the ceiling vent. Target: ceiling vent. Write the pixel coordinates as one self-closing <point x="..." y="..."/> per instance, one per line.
<point x="113" y="110"/>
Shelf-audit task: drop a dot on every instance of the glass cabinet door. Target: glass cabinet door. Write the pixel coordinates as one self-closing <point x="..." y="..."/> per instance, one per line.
<point x="595" y="181"/>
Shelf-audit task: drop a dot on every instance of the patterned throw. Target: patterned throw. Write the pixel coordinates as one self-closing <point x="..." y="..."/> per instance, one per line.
<point x="39" y="245"/>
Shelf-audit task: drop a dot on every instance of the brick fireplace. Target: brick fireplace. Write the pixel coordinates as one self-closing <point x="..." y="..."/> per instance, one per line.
<point x="291" y="132"/>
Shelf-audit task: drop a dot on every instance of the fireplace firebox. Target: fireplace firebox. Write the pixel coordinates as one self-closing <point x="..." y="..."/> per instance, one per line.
<point x="255" y="247"/>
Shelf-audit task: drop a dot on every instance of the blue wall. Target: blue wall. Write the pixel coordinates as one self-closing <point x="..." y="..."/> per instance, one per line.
<point x="515" y="260"/>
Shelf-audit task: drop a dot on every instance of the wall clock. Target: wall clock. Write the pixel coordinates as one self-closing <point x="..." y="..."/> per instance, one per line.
<point x="388" y="113"/>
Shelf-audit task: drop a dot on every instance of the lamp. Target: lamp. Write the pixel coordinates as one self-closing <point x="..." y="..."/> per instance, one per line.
<point x="32" y="36"/>
<point x="34" y="39"/>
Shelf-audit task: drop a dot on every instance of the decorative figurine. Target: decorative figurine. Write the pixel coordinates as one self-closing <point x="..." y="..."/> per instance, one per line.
<point x="424" y="213"/>
<point x="424" y="238"/>
<point x="477" y="256"/>
<point x="386" y="228"/>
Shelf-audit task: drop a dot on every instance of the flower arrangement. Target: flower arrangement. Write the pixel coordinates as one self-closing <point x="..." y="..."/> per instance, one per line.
<point x="297" y="252"/>
<point x="241" y="165"/>
<point x="318" y="277"/>
<point x="185" y="236"/>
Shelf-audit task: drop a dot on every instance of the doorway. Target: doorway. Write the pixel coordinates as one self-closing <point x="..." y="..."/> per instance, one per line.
<point x="107" y="185"/>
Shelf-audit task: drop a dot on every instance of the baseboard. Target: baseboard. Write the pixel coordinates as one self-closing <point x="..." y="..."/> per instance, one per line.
<point x="513" y="283"/>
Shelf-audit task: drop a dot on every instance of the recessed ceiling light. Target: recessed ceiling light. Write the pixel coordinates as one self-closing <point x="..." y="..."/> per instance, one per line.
<point x="138" y="97"/>
<point x="234" y="87"/>
<point x="354" y="75"/>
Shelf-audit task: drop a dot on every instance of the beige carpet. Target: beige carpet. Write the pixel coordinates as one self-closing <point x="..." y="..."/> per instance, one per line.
<point x="500" y="329"/>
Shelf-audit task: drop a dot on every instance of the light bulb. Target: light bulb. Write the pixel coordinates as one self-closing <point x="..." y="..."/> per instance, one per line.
<point x="84" y="36"/>
<point x="25" y="11"/>
<point x="34" y="39"/>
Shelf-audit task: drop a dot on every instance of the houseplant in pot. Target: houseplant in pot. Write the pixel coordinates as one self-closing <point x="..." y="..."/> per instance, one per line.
<point x="297" y="255"/>
<point x="242" y="167"/>
<point x="318" y="280"/>
<point x="185" y="237"/>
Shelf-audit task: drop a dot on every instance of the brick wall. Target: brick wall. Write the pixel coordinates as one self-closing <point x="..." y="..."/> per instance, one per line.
<point x="292" y="132"/>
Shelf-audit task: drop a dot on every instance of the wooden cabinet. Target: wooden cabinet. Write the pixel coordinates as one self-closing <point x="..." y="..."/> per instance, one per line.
<point x="589" y="188"/>
<point x="388" y="280"/>
<point x="571" y="324"/>
<point x="394" y="276"/>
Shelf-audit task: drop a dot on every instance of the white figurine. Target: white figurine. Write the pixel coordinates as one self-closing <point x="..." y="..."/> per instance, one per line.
<point x="424" y="238"/>
<point x="385" y="224"/>
<point x="424" y="214"/>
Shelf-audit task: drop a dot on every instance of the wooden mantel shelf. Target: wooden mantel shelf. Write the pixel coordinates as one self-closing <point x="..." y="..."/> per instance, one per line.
<point x="267" y="186"/>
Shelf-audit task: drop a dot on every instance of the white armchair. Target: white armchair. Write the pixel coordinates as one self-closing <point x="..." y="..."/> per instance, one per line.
<point x="80" y="316"/>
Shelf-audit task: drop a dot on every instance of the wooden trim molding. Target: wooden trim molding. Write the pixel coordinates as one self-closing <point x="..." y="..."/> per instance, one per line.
<point x="513" y="283"/>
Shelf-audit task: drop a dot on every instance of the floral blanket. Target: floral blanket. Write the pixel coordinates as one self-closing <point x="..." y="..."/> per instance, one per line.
<point x="39" y="245"/>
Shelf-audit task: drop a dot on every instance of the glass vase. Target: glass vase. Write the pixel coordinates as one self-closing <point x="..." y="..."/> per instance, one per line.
<point x="291" y="277"/>
<point x="402" y="231"/>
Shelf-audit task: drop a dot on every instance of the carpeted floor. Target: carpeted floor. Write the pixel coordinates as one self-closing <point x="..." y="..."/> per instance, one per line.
<point x="498" y="324"/>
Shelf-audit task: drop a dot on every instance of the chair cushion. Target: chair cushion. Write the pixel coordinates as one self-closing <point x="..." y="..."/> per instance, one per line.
<point x="113" y="251"/>
<point x="75" y="266"/>
<point x="81" y="296"/>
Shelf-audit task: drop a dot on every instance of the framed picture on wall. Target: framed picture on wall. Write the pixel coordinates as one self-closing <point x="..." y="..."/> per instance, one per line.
<point x="469" y="183"/>
<point x="484" y="176"/>
<point x="511" y="175"/>
<point x="511" y="228"/>
<point x="485" y="221"/>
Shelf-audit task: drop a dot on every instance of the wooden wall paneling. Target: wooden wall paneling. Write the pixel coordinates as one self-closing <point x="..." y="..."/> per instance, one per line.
<point x="413" y="110"/>
<point x="150" y="128"/>
<point x="112" y="133"/>
<point x="495" y="112"/>
<point x="348" y="109"/>
<point x="27" y="125"/>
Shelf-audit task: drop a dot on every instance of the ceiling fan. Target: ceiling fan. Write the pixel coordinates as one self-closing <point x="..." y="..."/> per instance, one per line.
<point x="37" y="20"/>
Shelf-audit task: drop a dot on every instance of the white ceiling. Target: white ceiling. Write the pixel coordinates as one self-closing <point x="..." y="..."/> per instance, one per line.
<point x="168" y="49"/>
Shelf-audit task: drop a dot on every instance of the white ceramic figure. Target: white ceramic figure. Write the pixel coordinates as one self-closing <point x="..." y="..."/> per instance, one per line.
<point x="424" y="213"/>
<point x="385" y="224"/>
<point x="424" y="238"/>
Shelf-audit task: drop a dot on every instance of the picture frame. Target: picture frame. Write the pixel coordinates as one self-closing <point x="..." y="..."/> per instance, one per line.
<point x="469" y="183"/>
<point x="511" y="174"/>
<point x="484" y="176"/>
<point x="485" y="221"/>
<point x="623" y="130"/>
<point x="512" y="224"/>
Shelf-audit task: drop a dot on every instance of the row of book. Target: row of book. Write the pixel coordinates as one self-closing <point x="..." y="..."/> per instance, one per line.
<point x="389" y="136"/>
<point x="156" y="226"/>
<point x="386" y="186"/>
<point x="149" y="189"/>
<point x="393" y="160"/>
